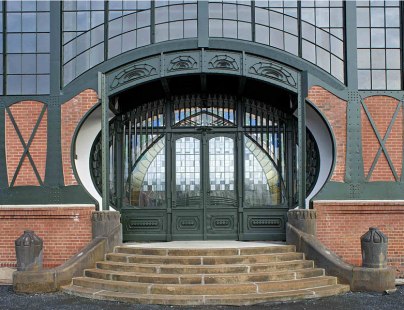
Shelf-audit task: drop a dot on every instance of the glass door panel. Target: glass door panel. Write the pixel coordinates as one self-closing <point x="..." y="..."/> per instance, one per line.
<point x="187" y="171"/>
<point x="221" y="189"/>
<point x="221" y="215"/>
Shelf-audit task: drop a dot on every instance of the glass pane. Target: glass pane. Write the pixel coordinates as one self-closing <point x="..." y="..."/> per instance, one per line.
<point x="261" y="179"/>
<point x="187" y="169"/>
<point x="221" y="170"/>
<point x="196" y="117"/>
<point x="148" y="185"/>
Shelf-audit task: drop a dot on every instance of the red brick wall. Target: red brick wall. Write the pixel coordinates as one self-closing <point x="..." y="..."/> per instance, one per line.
<point x="26" y="114"/>
<point x="381" y="110"/>
<point x="334" y="110"/>
<point x="72" y="112"/>
<point x="64" y="230"/>
<point x="340" y="224"/>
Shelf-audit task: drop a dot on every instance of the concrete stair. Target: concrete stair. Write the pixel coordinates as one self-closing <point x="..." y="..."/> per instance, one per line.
<point x="211" y="276"/>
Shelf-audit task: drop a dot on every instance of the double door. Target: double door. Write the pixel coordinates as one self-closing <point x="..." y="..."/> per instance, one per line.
<point x="204" y="187"/>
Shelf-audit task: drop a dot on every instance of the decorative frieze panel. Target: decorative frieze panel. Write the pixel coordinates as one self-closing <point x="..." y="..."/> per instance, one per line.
<point x="269" y="70"/>
<point x="143" y="224"/>
<point x="201" y="61"/>
<point x="133" y="74"/>
<point x="221" y="222"/>
<point x="264" y="222"/>
<point x="183" y="63"/>
<point x="188" y="223"/>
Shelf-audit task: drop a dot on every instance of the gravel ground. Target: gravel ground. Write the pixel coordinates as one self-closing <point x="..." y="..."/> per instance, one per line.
<point x="356" y="301"/>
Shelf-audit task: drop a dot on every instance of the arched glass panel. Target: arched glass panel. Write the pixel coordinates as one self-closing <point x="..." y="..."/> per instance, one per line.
<point x="83" y="37"/>
<point x="262" y="181"/>
<point x="322" y="26"/>
<point x="128" y="26"/>
<point x="230" y="19"/>
<point x="148" y="181"/>
<point x="313" y="30"/>
<point x="175" y="20"/>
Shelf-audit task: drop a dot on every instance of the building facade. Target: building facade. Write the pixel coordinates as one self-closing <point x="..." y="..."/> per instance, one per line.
<point x="194" y="120"/>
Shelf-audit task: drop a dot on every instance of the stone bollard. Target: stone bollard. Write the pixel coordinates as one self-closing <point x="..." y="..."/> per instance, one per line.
<point x="374" y="249"/>
<point x="28" y="250"/>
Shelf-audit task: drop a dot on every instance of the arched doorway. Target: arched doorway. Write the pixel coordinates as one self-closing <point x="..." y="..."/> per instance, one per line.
<point x="198" y="166"/>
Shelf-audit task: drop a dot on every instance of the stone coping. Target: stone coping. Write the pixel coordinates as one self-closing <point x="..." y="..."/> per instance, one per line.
<point x="6" y="275"/>
<point x="203" y="244"/>
<point x="349" y="202"/>
<point x="47" y="206"/>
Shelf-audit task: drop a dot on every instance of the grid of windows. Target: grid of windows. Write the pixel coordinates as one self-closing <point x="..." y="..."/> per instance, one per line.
<point x="27" y="47"/>
<point x="378" y="39"/>
<point x="313" y="30"/>
<point x="175" y="20"/>
<point x="1" y="50"/>
<point x="230" y="19"/>
<point x="83" y="37"/>
<point x="128" y="26"/>
<point x="276" y="23"/>
<point x="323" y="35"/>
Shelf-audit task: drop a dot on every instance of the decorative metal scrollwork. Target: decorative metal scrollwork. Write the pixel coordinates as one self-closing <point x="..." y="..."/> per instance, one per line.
<point x="223" y="62"/>
<point x="181" y="63"/>
<point x="132" y="73"/>
<point x="272" y="71"/>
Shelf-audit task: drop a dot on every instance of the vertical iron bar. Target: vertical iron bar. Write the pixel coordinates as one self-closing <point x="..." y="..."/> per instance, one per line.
<point x="273" y="134"/>
<point x="118" y="160"/>
<point x="299" y="27"/>
<point x="290" y="162"/>
<point x="106" y="28"/>
<point x="301" y="115"/>
<point x="147" y="127"/>
<point x="129" y="155"/>
<point x="267" y="131"/>
<point x="153" y="22"/>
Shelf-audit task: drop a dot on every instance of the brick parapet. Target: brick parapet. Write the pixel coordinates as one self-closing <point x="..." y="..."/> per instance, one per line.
<point x="340" y="224"/>
<point x="65" y="230"/>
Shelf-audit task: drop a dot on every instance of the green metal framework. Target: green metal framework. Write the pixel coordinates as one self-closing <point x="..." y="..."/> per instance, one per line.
<point x="153" y="212"/>
<point x="53" y="190"/>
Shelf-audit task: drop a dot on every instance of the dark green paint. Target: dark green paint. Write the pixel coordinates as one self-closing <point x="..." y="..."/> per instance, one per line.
<point x="54" y="173"/>
<point x="3" y="163"/>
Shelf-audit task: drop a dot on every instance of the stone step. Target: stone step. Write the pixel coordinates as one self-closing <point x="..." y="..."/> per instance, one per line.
<point x="205" y="251"/>
<point x="207" y="269"/>
<point x="202" y="278"/>
<point x="203" y="260"/>
<point x="203" y="289"/>
<point x="241" y="275"/>
<point x="236" y="300"/>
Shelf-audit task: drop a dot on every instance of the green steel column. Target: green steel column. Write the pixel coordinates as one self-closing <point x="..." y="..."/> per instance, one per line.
<point x="354" y="159"/>
<point x="301" y="124"/>
<point x="3" y="164"/>
<point x="54" y="170"/>
<point x="102" y="93"/>
<point x="203" y="24"/>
